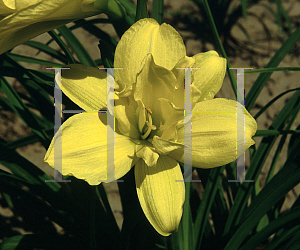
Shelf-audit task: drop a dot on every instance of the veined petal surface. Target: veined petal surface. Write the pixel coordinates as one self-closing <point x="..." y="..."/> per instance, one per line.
<point x="86" y="86"/>
<point x="179" y="72"/>
<point x="154" y="82"/>
<point x="28" y="19"/>
<point x="84" y="149"/>
<point x="160" y="195"/>
<point x="214" y="133"/>
<point x="208" y="79"/>
<point x="125" y="113"/>
<point x="144" y="37"/>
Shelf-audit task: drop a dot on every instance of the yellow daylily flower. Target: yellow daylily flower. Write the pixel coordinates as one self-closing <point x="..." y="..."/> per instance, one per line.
<point x="21" y="20"/>
<point x="149" y="120"/>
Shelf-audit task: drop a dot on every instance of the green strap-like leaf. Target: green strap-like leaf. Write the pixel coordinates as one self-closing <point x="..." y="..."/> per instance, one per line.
<point x="276" y="59"/>
<point x="284" y="236"/>
<point x="141" y="10"/>
<point x="23" y="112"/>
<point x="107" y="54"/>
<point x="219" y="44"/>
<point x="158" y="10"/>
<point x="266" y="133"/>
<point x="48" y="50"/>
<point x="286" y="179"/>
<point x="63" y="46"/>
<point x="272" y="101"/>
<point x="29" y="139"/>
<point x="288" y="220"/>
<point x="83" y="56"/>
<point x="256" y="164"/>
<point x="27" y="59"/>
<point x="94" y="30"/>
<point x="206" y="203"/>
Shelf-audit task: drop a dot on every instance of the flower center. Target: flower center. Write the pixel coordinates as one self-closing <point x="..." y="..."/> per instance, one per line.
<point x="148" y="126"/>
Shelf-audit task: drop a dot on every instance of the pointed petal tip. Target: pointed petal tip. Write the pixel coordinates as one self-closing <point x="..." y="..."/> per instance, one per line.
<point x="160" y="195"/>
<point x="210" y="75"/>
<point x="84" y="150"/>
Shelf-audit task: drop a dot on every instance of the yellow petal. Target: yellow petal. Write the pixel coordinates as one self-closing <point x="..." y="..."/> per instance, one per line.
<point x="165" y="147"/>
<point x="146" y="152"/>
<point x="214" y="133"/>
<point x="125" y="114"/>
<point x="29" y="19"/>
<point x="179" y="72"/>
<point x="170" y="117"/>
<point x="160" y="195"/>
<point x="86" y="86"/>
<point x="144" y="37"/>
<point x="209" y="78"/>
<point x="11" y="6"/>
<point x="84" y="149"/>
<point x="154" y="82"/>
<point x="185" y="62"/>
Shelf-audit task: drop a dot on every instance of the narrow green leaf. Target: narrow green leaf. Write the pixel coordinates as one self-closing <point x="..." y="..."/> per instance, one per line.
<point x="11" y="185"/>
<point x="41" y="101"/>
<point x="23" y="112"/>
<point x="102" y="195"/>
<point x="28" y="172"/>
<point x="219" y="210"/>
<point x="231" y="175"/>
<point x="187" y="223"/>
<point x="267" y="70"/>
<point x="27" y="59"/>
<point x="257" y="162"/>
<point x="266" y="133"/>
<point x="279" y="241"/>
<point x="76" y="46"/>
<point x="48" y="50"/>
<point x="107" y="54"/>
<point x="39" y="97"/>
<point x="99" y="62"/>
<point x="282" y="14"/>
<point x="129" y="7"/>
<point x="244" y="8"/>
<point x="130" y="10"/>
<point x="158" y="10"/>
<point x="38" y="241"/>
<point x="141" y="10"/>
<point x="206" y="203"/>
<point x="281" y="144"/>
<point x="8" y="68"/>
<point x="6" y="197"/>
<point x="293" y="243"/>
<point x="29" y="139"/>
<point x="94" y="30"/>
<point x="287" y="178"/>
<point x="63" y="46"/>
<point x="276" y="59"/>
<point x="272" y="101"/>
<point x="219" y="44"/>
<point x="288" y="220"/>
<point x="13" y="243"/>
<point x="294" y="139"/>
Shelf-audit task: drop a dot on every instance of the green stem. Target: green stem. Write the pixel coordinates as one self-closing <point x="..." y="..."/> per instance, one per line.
<point x="158" y="10"/>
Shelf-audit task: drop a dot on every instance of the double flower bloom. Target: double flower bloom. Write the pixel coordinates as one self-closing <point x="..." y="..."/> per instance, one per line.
<point x="149" y="107"/>
<point x="149" y="120"/>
